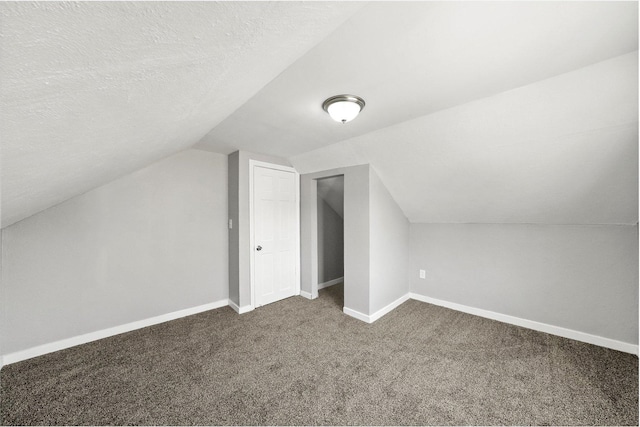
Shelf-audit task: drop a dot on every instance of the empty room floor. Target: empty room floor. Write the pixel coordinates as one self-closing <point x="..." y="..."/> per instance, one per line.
<point x="304" y="362"/>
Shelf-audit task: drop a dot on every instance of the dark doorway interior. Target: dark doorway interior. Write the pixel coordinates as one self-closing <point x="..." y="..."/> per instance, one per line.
<point x="331" y="237"/>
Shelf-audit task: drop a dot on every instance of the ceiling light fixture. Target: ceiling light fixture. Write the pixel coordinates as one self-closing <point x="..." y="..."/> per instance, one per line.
<point x="343" y="108"/>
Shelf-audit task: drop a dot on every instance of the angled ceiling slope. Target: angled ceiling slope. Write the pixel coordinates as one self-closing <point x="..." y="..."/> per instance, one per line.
<point x="409" y="59"/>
<point x="331" y="190"/>
<point x="477" y="112"/>
<point x="560" y="151"/>
<point x="93" y="91"/>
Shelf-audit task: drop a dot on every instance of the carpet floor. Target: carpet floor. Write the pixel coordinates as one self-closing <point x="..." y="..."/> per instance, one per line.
<point x="302" y="362"/>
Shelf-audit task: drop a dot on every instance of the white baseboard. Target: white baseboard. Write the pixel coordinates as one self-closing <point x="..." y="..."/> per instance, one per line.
<point x="234" y="306"/>
<point x="93" y="336"/>
<point x="378" y="314"/>
<point x="356" y="314"/>
<point x="330" y="283"/>
<point x="240" y="310"/>
<point x="307" y="295"/>
<point x="531" y="324"/>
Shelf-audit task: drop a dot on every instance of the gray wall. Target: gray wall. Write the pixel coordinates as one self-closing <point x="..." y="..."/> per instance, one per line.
<point x="376" y="240"/>
<point x="583" y="278"/>
<point x="240" y="253"/>
<point x="233" y="164"/>
<point x="330" y="232"/>
<point x="2" y="310"/>
<point x="389" y="246"/>
<point x="150" y="243"/>
<point x="356" y="234"/>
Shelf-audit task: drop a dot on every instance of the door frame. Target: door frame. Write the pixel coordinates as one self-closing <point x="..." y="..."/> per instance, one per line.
<point x="315" y="264"/>
<point x="252" y="165"/>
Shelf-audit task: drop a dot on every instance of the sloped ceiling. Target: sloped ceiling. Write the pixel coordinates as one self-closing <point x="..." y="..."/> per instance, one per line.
<point x="560" y="151"/>
<point x="476" y="111"/>
<point x="93" y="91"/>
<point x="331" y="190"/>
<point x="410" y="59"/>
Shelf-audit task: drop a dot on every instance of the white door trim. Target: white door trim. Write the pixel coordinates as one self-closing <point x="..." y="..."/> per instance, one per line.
<point x="252" y="165"/>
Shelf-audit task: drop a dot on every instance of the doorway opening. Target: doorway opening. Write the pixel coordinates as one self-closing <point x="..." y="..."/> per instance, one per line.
<point x="330" y="240"/>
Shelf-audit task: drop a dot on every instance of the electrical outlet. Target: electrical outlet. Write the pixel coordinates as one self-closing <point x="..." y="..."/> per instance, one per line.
<point x="423" y="274"/>
<point x="230" y="224"/>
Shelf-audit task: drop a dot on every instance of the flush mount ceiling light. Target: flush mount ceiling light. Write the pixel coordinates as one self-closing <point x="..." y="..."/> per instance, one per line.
<point x="343" y="108"/>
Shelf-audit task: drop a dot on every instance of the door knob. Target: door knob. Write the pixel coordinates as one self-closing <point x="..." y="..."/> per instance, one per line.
<point x="259" y="248"/>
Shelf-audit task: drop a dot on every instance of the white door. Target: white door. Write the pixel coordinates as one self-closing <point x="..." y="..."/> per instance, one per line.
<point x="275" y="232"/>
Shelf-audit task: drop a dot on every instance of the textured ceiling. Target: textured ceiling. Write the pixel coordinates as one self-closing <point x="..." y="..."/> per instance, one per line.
<point x="409" y="59"/>
<point x="560" y="151"/>
<point x="476" y="111"/>
<point x="92" y="91"/>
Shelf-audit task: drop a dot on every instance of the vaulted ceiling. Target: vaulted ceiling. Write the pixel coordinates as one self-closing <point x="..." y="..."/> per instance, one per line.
<point x="92" y="91"/>
<point x="476" y="111"/>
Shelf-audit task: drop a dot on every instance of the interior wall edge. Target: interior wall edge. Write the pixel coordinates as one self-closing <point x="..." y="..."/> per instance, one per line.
<point x="238" y="309"/>
<point x="512" y="320"/>
<point x="356" y="233"/>
<point x="307" y="295"/>
<point x="356" y="314"/>
<point x="370" y="318"/>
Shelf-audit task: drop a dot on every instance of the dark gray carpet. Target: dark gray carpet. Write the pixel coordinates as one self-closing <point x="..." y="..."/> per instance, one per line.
<point x="304" y="362"/>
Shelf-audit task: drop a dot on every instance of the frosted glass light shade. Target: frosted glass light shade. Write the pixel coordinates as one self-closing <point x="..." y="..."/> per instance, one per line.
<point x="343" y="108"/>
<point x="343" y="111"/>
